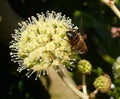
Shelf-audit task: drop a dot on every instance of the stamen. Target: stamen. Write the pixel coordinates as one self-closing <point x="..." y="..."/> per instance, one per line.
<point x="21" y="68"/>
<point x="38" y="75"/>
<point x="29" y="73"/>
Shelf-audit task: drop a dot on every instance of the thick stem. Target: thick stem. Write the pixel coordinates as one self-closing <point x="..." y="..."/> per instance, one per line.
<point x="60" y="72"/>
<point x="84" y="84"/>
<point x="68" y="83"/>
<point x="111" y="4"/>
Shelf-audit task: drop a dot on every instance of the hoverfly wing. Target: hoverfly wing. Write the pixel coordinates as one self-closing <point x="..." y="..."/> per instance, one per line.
<point x="81" y="29"/>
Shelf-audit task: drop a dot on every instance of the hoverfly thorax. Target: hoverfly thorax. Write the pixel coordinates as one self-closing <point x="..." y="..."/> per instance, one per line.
<point x="71" y="35"/>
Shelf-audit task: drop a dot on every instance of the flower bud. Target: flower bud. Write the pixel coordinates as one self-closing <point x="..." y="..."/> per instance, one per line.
<point x="84" y="66"/>
<point x="103" y="83"/>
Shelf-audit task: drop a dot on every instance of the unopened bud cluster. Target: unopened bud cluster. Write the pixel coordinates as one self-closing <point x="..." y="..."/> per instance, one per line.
<point x="84" y="66"/>
<point x="103" y="83"/>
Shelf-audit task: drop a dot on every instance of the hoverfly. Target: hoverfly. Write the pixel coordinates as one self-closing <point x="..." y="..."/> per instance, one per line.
<point x="77" y="40"/>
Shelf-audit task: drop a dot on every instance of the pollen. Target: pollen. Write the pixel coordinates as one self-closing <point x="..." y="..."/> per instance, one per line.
<point x="35" y="40"/>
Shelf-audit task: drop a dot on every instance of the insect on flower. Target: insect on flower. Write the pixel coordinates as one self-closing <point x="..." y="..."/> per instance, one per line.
<point x="35" y="40"/>
<point x="77" y="40"/>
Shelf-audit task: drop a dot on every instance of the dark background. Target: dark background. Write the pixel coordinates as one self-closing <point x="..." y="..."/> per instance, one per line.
<point x="98" y="19"/>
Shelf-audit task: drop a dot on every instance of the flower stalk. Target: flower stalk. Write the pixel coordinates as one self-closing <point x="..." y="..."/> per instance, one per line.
<point x="71" y="86"/>
<point x="111" y="4"/>
<point x="93" y="94"/>
<point x="115" y="10"/>
<point x="60" y="72"/>
<point x="84" y="84"/>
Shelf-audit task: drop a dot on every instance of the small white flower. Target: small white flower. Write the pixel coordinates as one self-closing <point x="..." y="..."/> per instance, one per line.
<point x="39" y="40"/>
<point x="116" y="68"/>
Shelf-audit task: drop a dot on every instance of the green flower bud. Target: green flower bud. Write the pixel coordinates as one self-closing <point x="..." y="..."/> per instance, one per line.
<point x="84" y="66"/>
<point x="103" y="83"/>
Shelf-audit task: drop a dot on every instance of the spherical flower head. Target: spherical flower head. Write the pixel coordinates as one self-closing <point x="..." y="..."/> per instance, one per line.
<point x="103" y="83"/>
<point x="116" y="68"/>
<point x="40" y="41"/>
<point x="84" y="66"/>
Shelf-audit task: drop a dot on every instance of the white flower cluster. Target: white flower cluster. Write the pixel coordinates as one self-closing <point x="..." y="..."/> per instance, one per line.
<point x="116" y="68"/>
<point x="40" y="40"/>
